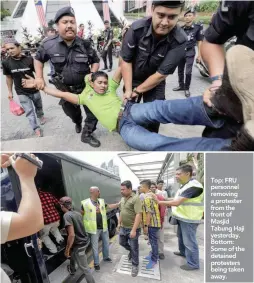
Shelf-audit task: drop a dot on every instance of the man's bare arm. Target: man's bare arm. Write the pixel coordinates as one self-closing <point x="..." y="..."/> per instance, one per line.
<point x="117" y="77"/>
<point x="126" y="69"/>
<point x="9" y="82"/>
<point x="213" y="55"/>
<point x="70" y="240"/>
<point x="174" y="202"/>
<point x="38" y="67"/>
<point x="68" y="96"/>
<point x="95" y="67"/>
<point x="151" y="82"/>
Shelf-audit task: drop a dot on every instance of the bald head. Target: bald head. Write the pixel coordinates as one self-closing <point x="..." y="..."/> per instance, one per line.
<point x="94" y="193"/>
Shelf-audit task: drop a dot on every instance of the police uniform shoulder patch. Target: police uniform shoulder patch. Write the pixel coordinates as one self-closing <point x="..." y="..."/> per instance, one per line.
<point x="49" y="38"/>
<point x="141" y="24"/>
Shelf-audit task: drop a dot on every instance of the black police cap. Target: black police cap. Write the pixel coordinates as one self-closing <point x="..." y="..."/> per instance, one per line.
<point x="66" y="11"/>
<point x="169" y="3"/>
<point x="190" y="11"/>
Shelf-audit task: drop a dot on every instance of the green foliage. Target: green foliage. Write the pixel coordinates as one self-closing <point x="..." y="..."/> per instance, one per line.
<point x="208" y="6"/>
<point x="4" y="13"/>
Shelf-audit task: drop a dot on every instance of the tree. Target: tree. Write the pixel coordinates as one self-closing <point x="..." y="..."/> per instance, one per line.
<point x="4" y="13"/>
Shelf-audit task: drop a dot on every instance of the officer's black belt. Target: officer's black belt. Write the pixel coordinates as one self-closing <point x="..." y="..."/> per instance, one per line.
<point x="75" y="87"/>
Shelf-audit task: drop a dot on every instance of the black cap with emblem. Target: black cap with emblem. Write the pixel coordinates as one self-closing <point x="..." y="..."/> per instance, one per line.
<point x="169" y="3"/>
<point x="66" y="11"/>
<point x="192" y="10"/>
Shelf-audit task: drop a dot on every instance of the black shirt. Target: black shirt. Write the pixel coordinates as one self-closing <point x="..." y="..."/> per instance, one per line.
<point x="108" y="35"/>
<point x="17" y="69"/>
<point x="235" y="18"/>
<point x="73" y="61"/>
<point x="148" y="55"/>
<point x="194" y="33"/>
<point x="98" y="213"/>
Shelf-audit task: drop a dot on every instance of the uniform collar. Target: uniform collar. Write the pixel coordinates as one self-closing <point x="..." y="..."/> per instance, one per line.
<point x="76" y="40"/>
<point x="186" y="27"/>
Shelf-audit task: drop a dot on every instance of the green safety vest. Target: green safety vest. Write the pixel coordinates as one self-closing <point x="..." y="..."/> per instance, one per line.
<point x="89" y="217"/>
<point x="191" y="210"/>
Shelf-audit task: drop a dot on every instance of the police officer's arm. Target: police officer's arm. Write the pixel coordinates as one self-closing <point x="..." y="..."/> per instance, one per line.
<point x="128" y="55"/>
<point x="40" y="58"/>
<point x="68" y="96"/>
<point x="222" y="27"/>
<point x="167" y="67"/>
<point x="174" y="202"/>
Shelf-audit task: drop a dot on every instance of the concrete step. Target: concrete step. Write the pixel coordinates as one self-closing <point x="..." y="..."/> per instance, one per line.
<point x="69" y="142"/>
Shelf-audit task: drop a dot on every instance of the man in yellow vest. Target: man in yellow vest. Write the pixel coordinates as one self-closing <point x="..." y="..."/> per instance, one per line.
<point x="94" y="211"/>
<point x="187" y="209"/>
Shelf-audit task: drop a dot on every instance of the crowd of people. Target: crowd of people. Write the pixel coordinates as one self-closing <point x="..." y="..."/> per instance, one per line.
<point x="140" y="212"/>
<point x="152" y="49"/>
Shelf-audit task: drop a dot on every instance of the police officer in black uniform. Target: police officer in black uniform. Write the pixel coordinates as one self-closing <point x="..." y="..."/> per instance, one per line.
<point x="73" y="58"/>
<point x="195" y="35"/>
<point x="152" y="49"/>
<point x="108" y="46"/>
<point x="233" y="18"/>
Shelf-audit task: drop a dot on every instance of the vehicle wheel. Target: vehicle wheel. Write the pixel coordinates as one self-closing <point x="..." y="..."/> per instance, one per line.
<point x="112" y="227"/>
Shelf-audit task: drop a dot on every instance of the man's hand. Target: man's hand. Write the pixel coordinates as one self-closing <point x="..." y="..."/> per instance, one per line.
<point x="210" y="91"/>
<point x="29" y="82"/>
<point x="128" y="94"/>
<point x="40" y="83"/>
<point x="67" y="254"/>
<point x="145" y="229"/>
<point x="199" y="58"/>
<point x="5" y="160"/>
<point x="133" y="234"/>
<point x="118" y="228"/>
<point x="10" y="96"/>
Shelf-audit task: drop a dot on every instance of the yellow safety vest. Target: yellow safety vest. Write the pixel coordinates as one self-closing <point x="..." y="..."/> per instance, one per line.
<point x="191" y="210"/>
<point x="89" y="217"/>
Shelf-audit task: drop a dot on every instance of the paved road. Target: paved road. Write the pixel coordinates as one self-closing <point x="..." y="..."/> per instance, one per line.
<point x="59" y="132"/>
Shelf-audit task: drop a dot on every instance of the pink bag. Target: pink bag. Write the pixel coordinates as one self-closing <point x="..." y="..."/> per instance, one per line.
<point x="16" y="109"/>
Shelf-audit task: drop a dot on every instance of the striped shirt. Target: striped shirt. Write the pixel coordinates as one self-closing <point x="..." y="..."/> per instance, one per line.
<point x="150" y="206"/>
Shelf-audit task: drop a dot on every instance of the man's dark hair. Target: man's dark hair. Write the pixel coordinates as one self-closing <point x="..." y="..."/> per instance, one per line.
<point x="186" y="169"/>
<point x="13" y="41"/>
<point x="98" y="74"/>
<point x="160" y="182"/>
<point x="169" y="4"/>
<point x="147" y="183"/>
<point x="127" y="184"/>
<point x="81" y="25"/>
<point x="153" y="184"/>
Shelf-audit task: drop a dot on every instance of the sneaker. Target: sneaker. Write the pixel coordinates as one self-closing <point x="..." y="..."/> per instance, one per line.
<point x="38" y="133"/>
<point x="78" y="128"/>
<point x="42" y="120"/>
<point x="88" y="138"/>
<point x="71" y="272"/>
<point x="244" y="141"/>
<point x="134" y="271"/>
<point x="97" y="267"/>
<point x="108" y="259"/>
<point x="179" y="254"/>
<point x="150" y="264"/>
<point x="178" y="88"/>
<point x="161" y="256"/>
<point x="187" y="267"/>
<point x="235" y="98"/>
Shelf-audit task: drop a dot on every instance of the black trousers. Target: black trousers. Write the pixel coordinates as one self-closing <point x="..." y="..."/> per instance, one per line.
<point x="186" y="65"/>
<point x="104" y="57"/>
<point x="74" y="112"/>
<point x="157" y="93"/>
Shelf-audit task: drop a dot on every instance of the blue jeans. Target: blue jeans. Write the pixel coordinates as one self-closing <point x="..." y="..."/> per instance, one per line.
<point x="189" y="111"/>
<point x="187" y="242"/>
<point x="95" y="243"/>
<point x="130" y="244"/>
<point x="153" y="239"/>
<point x="32" y="105"/>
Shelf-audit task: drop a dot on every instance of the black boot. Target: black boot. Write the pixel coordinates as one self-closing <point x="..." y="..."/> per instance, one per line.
<point x="181" y="82"/>
<point x="180" y="87"/>
<point x="78" y="128"/>
<point x="88" y="138"/>
<point x="245" y="139"/>
<point x="105" y="68"/>
<point x="187" y="85"/>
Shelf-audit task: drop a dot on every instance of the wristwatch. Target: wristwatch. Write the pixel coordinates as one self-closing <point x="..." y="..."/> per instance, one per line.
<point x="137" y="92"/>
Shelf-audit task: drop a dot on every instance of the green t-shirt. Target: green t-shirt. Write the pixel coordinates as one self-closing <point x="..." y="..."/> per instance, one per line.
<point x="105" y="107"/>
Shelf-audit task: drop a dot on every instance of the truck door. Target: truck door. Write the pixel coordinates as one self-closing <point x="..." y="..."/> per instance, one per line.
<point x="23" y="256"/>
